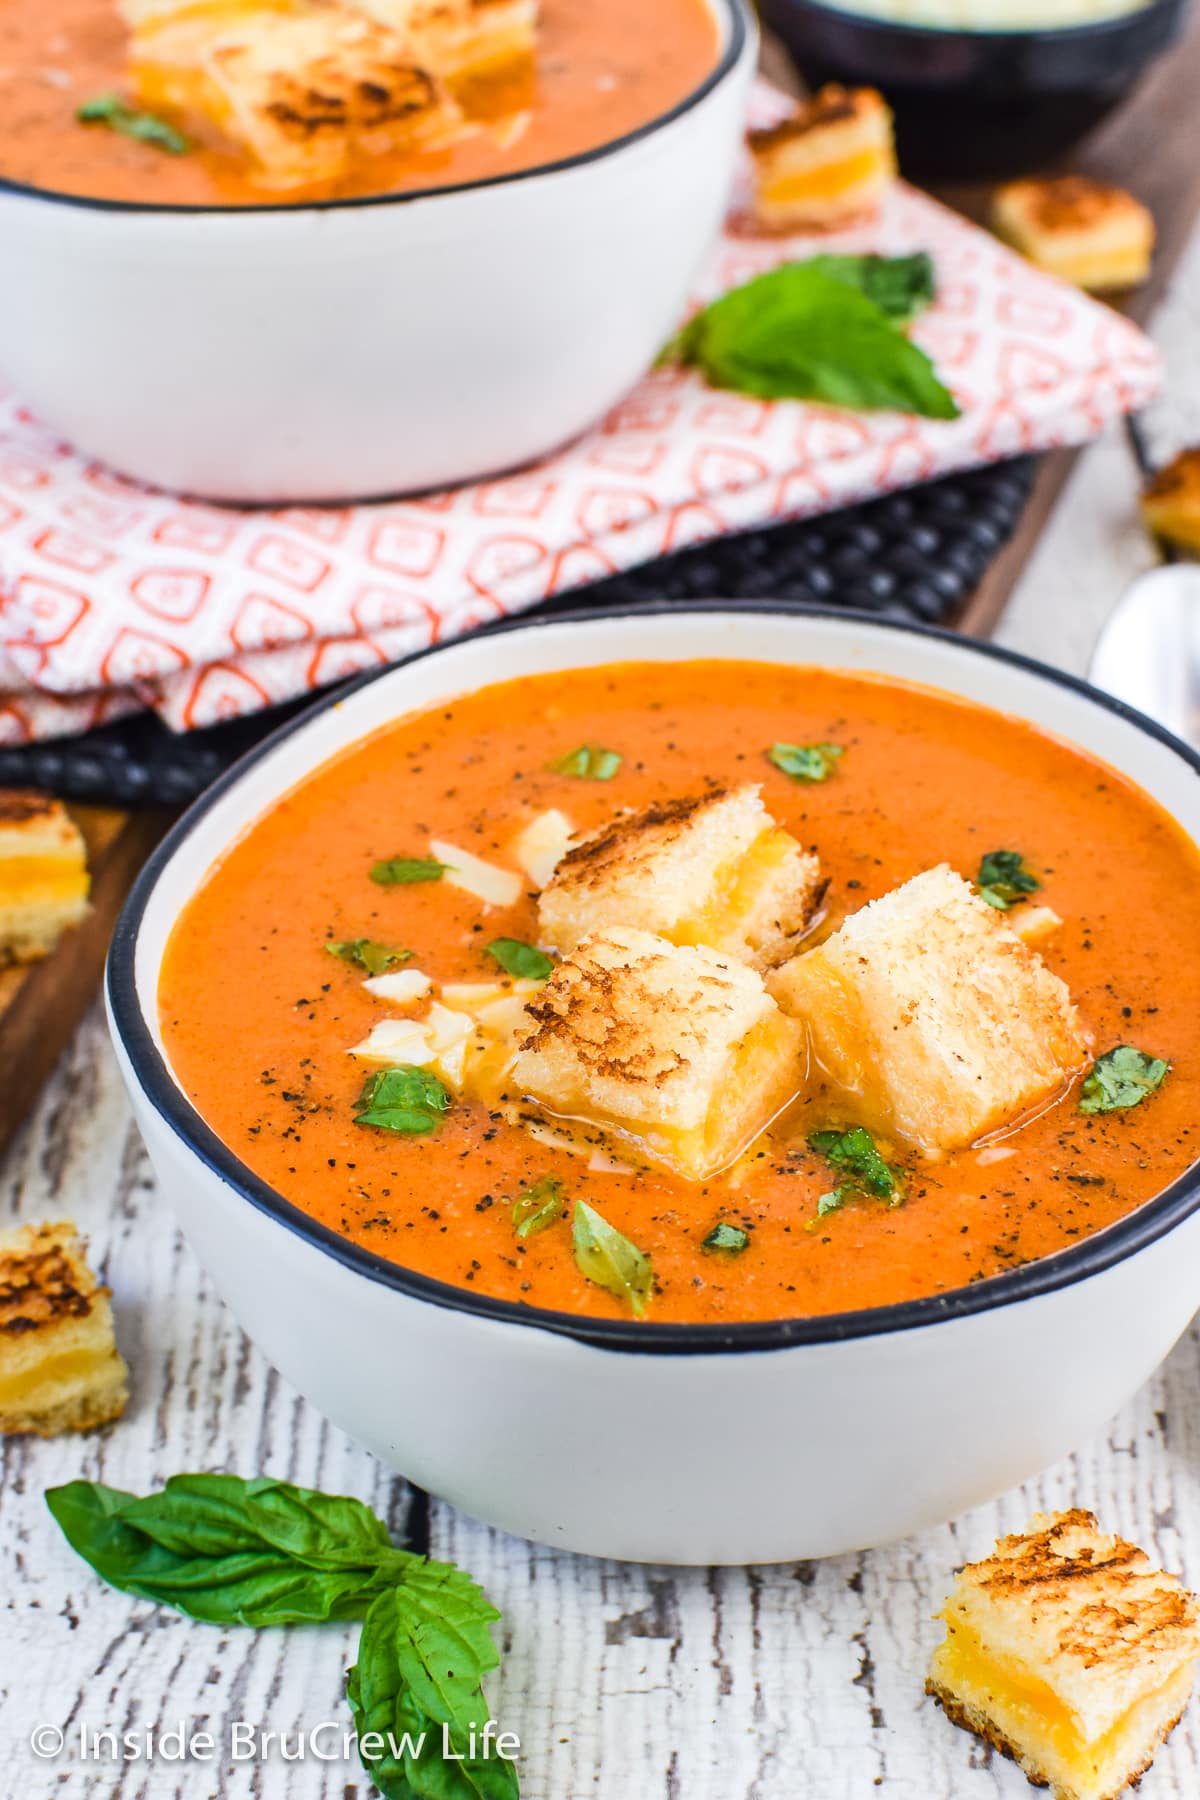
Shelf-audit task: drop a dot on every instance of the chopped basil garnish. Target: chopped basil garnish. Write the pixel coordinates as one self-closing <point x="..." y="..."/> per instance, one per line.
<point x="729" y="1238"/>
<point x="1003" y="879"/>
<point x="806" y="762"/>
<point x="539" y="1206"/>
<point x="610" y="1260"/>
<point x="590" y="763"/>
<point x="854" y="1154"/>
<point x="397" y="869"/>
<point x="404" y="1099"/>
<point x="1120" y="1078"/>
<point x="523" y="961"/>
<point x="374" y="957"/>
<point x="118" y="115"/>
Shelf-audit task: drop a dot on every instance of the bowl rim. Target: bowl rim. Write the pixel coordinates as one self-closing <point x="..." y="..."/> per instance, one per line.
<point x="1045" y="1275"/>
<point x="741" y="34"/>
<point x="1091" y="29"/>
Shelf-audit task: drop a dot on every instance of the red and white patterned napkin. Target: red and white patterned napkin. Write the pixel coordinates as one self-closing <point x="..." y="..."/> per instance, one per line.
<point x="115" y="597"/>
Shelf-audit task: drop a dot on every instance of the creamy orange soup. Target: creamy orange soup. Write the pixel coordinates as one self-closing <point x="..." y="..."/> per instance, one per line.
<point x="601" y="71"/>
<point x="258" y="1018"/>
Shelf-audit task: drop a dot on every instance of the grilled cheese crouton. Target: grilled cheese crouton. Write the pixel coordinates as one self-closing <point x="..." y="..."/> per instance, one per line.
<point x="60" y="1369"/>
<point x="1071" y="1653"/>
<point x="714" y="869"/>
<point x="679" y="1049"/>
<point x="933" y="1018"/>
<point x="460" y="38"/>
<point x="1171" y="501"/>
<point x="1095" y="236"/>
<point x="303" y="89"/>
<point x="832" y="160"/>
<point x="43" y="874"/>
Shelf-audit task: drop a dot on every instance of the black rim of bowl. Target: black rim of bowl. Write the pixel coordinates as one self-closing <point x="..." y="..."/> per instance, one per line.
<point x="1092" y="31"/>
<point x="734" y="10"/>
<point x="1063" y="1268"/>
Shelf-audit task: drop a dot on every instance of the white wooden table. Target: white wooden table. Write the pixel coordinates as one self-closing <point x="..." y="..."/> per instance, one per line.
<point x="623" y="1682"/>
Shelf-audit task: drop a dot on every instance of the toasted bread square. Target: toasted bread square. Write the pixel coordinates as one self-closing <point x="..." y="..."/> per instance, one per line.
<point x="1070" y="1652"/>
<point x="304" y="90"/>
<point x="832" y="160"/>
<point x="60" y="1369"/>
<point x="1095" y="236"/>
<point x="1171" y="501"/>
<point x="713" y="869"/>
<point x="934" y="1019"/>
<point x="460" y="38"/>
<point x="43" y="874"/>
<point x="679" y="1049"/>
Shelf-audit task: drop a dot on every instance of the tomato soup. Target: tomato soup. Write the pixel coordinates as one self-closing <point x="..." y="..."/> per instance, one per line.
<point x="258" y="1018"/>
<point x="600" y="71"/>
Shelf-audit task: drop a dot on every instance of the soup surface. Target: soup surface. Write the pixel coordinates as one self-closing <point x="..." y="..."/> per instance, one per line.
<point x="600" y="72"/>
<point x="258" y="1018"/>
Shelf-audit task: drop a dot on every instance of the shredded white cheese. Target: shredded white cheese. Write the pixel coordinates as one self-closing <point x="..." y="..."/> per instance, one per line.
<point x="402" y="988"/>
<point x="1033" y="923"/>
<point x="395" y="1041"/>
<point x="469" y="996"/>
<point x="542" y="845"/>
<point x="494" y="886"/>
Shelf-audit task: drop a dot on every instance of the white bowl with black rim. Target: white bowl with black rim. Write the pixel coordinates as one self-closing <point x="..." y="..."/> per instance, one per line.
<point x="369" y="346"/>
<point x="676" y="1443"/>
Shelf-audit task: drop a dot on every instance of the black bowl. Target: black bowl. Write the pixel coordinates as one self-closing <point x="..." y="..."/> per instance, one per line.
<point x="979" y="104"/>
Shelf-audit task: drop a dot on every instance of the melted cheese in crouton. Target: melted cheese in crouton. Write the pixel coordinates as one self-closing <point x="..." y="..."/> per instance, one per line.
<point x="43" y="874"/>
<point x="678" y="1048"/>
<point x="59" y="1365"/>
<point x="934" y="1019"/>
<point x="459" y="38"/>
<point x="1067" y="1649"/>
<point x="832" y="159"/>
<point x="303" y="90"/>
<point x="713" y="869"/>
<point x="1097" y="236"/>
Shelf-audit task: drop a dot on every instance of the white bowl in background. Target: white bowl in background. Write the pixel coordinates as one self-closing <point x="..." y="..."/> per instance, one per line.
<point x="668" y="1443"/>
<point x="291" y="352"/>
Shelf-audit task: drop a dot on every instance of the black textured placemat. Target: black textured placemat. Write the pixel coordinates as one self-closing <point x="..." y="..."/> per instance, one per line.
<point x="913" y="555"/>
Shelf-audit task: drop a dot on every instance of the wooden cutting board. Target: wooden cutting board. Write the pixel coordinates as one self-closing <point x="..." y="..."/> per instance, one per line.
<point x="41" y="1003"/>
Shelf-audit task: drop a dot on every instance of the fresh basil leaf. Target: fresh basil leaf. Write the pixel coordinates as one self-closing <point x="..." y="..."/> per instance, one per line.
<point x="728" y="1238"/>
<point x="1121" y="1078"/>
<point x="539" y="1206"/>
<point x="403" y="1099"/>
<point x="900" y="286"/>
<point x="524" y="961"/>
<point x="147" y="128"/>
<point x="407" y="1700"/>
<point x="369" y="954"/>
<point x="590" y="763"/>
<point x="854" y="1153"/>
<point x="806" y="762"/>
<point x="1003" y="879"/>
<point x="395" y="871"/>
<point x="231" y="1552"/>
<point x="264" y="1552"/>
<point x="608" y="1258"/>
<point x="796" y="333"/>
